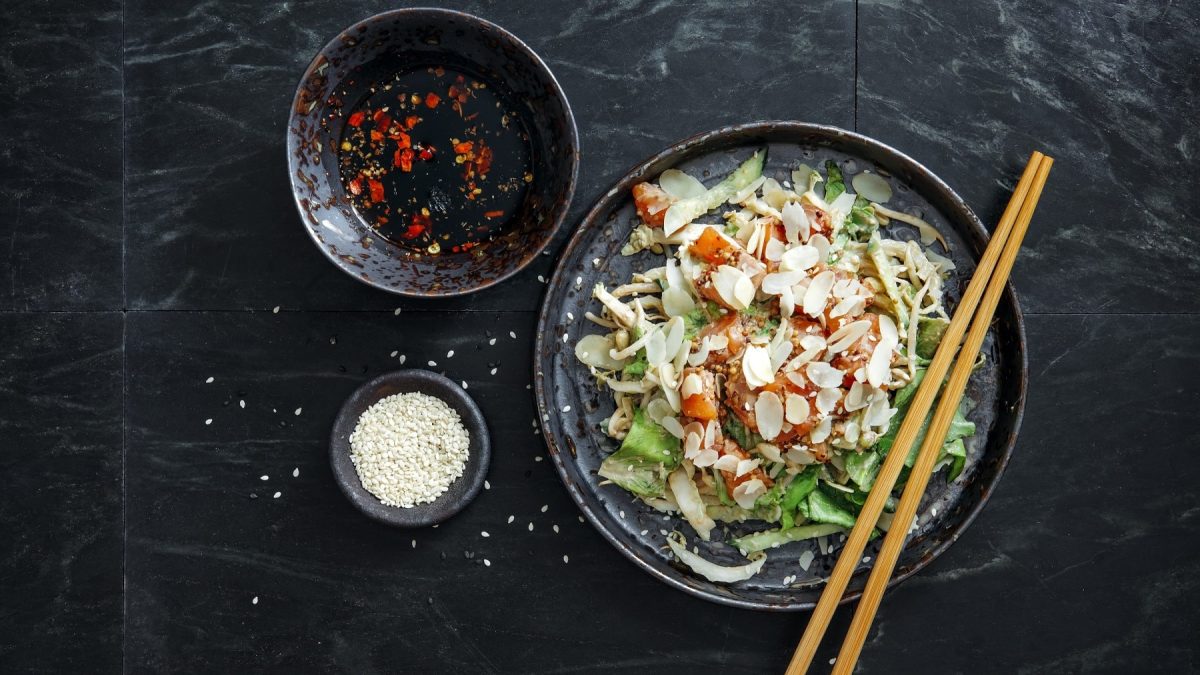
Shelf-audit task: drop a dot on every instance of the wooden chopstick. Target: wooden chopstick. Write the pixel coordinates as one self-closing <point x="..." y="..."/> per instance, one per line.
<point x="920" y="405"/>
<point x="922" y="470"/>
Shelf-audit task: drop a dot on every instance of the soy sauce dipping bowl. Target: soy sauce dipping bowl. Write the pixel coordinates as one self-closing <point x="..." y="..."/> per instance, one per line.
<point x="460" y="492"/>
<point x="422" y="37"/>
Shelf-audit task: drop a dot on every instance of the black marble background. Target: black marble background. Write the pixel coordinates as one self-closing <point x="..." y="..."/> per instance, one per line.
<point x="147" y="234"/>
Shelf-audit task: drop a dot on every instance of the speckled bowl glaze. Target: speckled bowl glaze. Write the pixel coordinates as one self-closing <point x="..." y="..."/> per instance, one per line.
<point x="422" y="37"/>
<point x="571" y="406"/>
<point x="460" y="492"/>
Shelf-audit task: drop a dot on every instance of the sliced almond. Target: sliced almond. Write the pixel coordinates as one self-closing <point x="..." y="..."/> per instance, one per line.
<point x="821" y="431"/>
<point x="692" y="385"/>
<point x="795" y="222"/>
<point x="774" y="250"/>
<point x="881" y="362"/>
<point x="824" y="375"/>
<point x="672" y="425"/>
<point x="799" y="258"/>
<point x="797" y="409"/>
<point x="818" y="293"/>
<point x="691" y="445"/>
<point x="847" y="335"/>
<point x="745" y="466"/>
<point x="733" y="286"/>
<point x="705" y="458"/>
<point x="768" y="411"/>
<point x="827" y="399"/>
<point x="726" y="463"/>
<point x="756" y="366"/>
<point x="787" y="303"/>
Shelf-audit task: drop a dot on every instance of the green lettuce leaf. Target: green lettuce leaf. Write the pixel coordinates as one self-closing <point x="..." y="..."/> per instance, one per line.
<point x="648" y="453"/>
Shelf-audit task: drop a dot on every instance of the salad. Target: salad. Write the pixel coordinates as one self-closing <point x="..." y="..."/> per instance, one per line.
<point x="761" y="362"/>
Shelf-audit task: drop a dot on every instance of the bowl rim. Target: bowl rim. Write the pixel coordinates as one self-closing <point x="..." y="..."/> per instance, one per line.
<point x="593" y="216"/>
<point x="351" y="485"/>
<point x="572" y="129"/>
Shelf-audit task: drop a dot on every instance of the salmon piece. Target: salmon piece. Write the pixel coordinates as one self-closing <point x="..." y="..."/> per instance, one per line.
<point x="651" y="202"/>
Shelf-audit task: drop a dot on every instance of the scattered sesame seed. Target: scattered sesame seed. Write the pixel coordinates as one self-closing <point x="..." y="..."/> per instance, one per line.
<point x="397" y="312"/>
<point x="566" y="560"/>
<point x="403" y="358"/>
<point x="578" y="281"/>
<point x="208" y="421"/>
<point x="487" y="563"/>
<point x="511" y="518"/>
<point x="539" y="457"/>
<point x="484" y="534"/>
<point x="296" y="472"/>
<point x="541" y="279"/>
<point x="512" y="334"/>
<point x="580" y="518"/>
<point x="566" y="408"/>
<point x="242" y="403"/>
<point x="433" y="364"/>
<point x="464" y="384"/>
<point x="622" y="514"/>
<point x="570" y="316"/>
<point x="276" y="495"/>
<point x="531" y="527"/>
<point x="555" y="529"/>
<point x="595" y="262"/>
<point x="645" y="532"/>
<point x="254" y="601"/>
<point x="833" y="661"/>
<point x="564" y="337"/>
<point x="867" y="559"/>
<point x="494" y="370"/>
<point x="298" y="411"/>
<point x="450" y="354"/>
<point x="208" y="381"/>
<point x="492" y="341"/>
<point x="276" y="310"/>
<point x="264" y="477"/>
<point x="545" y="508"/>
<point x="414" y="543"/>
<point x="395" y="352"/>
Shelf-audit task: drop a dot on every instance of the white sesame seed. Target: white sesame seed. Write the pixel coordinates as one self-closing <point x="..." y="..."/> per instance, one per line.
<point x="512" y="334"/>
<point x="298" y="411"/>
<point x="487" y="563"/>
<point x="566" y="408"/>
<point x="464" y="384"/>
<point x="580" y="518"/>
<point x="414" y="543"/>
<point x="296" y="472"/>
<point x="208" y="421"/>
<point x="450" y="354"/>
<point x="833" y="661"/>
<point x="403" y="358"/>
<point x="433" y="364"/>
<point x="622" y="514"/>
<point x="276" y="310"/>
<point x="276" y="495"/>
<point x="397" y="312"/>
<point x="570" y="316"/>
<point x="538" y="458"/>
<point x="208" y="381"/>
<point x="578" y="281"/>
<point x="492" y="341"/>
<point x="566" y="560"/>
<point x="511" y="518"/>
<point x="264" y="477"/>
<point x="494" y="370"/>
<point x="564" y="337"/>
<point x="242" y="404"/>
<point x="645" y="532"/>
<point x="484" y="534"/>
<point x="595" y="262"/>
<point x="867" y="559"/>
<point x="395" y="352"/>
<point x="545" y="508"/>
<point x="254" y="601"/>
<point x="487" y="485"/>
<point x="541" y="279"/>
<point x="531" y="527"/>
<point x="555" y="529"/>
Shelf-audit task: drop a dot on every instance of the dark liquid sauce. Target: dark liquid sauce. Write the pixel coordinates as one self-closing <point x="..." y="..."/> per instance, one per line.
<point x="435" y="160"/>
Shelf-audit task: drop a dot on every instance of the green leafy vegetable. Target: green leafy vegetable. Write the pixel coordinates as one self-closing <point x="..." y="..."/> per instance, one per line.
<point x="648" y="453"/>
<point x="636" y="367"/>
<point x="957" y="451"/>
<point x="862" y="468"/>
<point x="929" y="335"/>
<point x="861" y="223"/>
<point x="834" y="183"/>
<point x="734" y="429"/>
<point x="694" y="321"/>
<point x="761" y="541"/>
<point x="722" y="491"/>
<point x="823" y="508"/>
<point x="800" y="487"/>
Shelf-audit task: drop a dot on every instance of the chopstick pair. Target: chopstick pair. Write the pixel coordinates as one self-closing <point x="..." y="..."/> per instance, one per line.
<point x="982" y="294"/>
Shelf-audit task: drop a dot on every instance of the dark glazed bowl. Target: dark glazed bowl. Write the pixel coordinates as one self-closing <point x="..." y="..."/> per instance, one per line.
<point x="460" y="492"/>
<point x="571" y="407"/>
<point x="335" y="82"/>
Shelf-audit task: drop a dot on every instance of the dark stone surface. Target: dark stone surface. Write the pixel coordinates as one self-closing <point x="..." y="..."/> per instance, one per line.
<point x="60" y="167"/>
<point x="60" y="500"/>
<point x="1085" y="560"/>
<point x="1110" y="90"/>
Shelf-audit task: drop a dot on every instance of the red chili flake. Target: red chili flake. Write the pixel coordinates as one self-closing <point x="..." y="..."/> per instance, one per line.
<point x="420" y="223"/>
<point x="376" y="189"/>
<point x="376" y="136"/>
<point x="464" y="147"/>
<point x="493" y="214"/>
<point x="484" y="160"/>
<point x="402" y="139"/>
<point x="432" y="99"/>
<point x="356" y="186"/>
<point x="357" y="118"/>
<point x="427" y="152"/>
<point x="382" y="121"/>
<point x="404" y="159"/>
<point x="411" y="121"/>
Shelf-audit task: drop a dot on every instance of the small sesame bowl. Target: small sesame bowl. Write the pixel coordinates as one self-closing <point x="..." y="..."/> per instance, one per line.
<point x="461" y="491"/>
